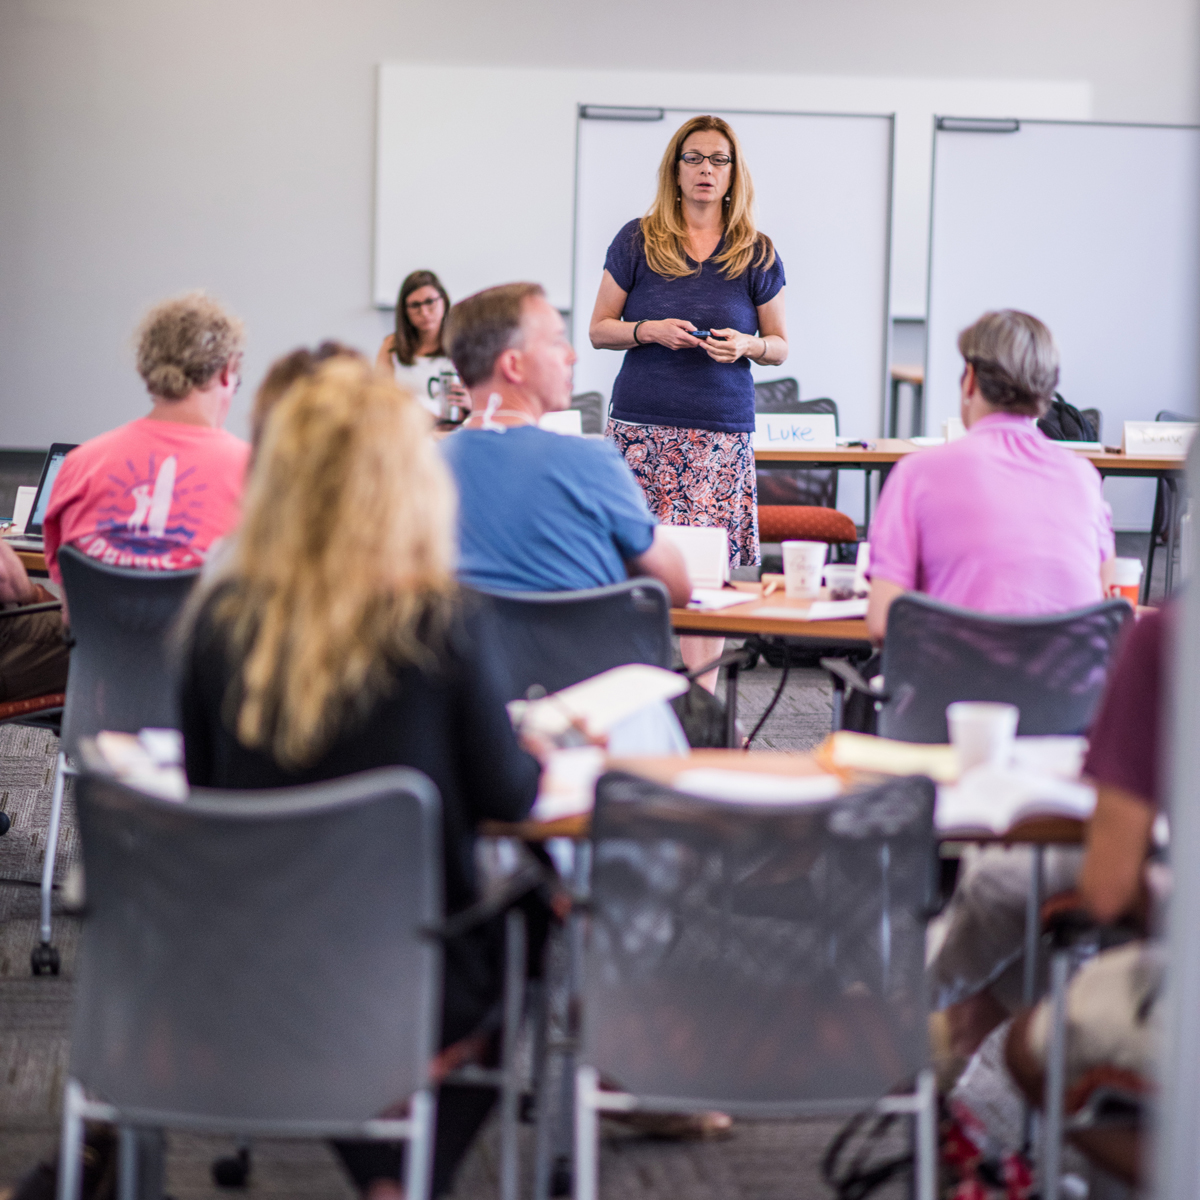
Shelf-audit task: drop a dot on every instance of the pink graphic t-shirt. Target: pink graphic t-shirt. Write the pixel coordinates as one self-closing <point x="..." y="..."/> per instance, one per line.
<point x="151" y="494"/>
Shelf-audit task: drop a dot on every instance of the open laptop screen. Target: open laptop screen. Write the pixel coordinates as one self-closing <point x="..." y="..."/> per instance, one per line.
<point x="54" y="460"/>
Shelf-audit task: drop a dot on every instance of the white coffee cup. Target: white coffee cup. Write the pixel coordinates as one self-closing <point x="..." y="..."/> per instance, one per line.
<point x="1122" y="577"/>
<point x="982" y="732"/>
<point x="802" y="565"/>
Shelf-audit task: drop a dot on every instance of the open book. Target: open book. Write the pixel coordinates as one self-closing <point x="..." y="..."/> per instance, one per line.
<point x="993" y="799"/>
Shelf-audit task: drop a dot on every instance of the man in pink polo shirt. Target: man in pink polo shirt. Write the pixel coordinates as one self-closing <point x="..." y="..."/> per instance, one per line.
<point x="1002" y="520"/>
<point x="156" y="493"/>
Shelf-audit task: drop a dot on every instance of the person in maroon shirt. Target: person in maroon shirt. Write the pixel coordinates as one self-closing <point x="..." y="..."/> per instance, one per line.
<point x="1113" y="1015"/>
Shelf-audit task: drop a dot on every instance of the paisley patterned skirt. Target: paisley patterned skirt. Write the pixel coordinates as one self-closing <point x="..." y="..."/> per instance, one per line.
<point x="696" y="477"/>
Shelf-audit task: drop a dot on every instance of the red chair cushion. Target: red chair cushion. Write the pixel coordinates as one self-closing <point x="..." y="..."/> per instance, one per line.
<point x="35" y="704"/>
<point x="804" y="522"/>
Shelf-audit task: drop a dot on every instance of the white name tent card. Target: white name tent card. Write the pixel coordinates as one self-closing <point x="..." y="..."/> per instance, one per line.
<point x="569" y="421"/>
<point x="705" y="553"/>
<point x="1158" y="439"/>
<point x="795" y="431"/>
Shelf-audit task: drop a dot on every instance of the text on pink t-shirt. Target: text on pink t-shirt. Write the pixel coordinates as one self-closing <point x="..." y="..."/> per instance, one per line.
<point x="1002" y="520"/>
<point x="151" y="494"/>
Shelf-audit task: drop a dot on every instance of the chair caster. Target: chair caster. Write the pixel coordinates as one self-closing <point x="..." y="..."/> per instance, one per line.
<point x="44" y="960"/>
<point x="562" y="1179"/>
<point x="5" y="823"/>
<point x="232" y="1172"/>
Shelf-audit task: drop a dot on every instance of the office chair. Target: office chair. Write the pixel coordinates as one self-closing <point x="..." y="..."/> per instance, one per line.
<point x="763" y="960"/>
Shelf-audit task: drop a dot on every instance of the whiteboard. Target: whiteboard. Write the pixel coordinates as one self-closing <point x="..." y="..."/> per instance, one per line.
<point x="475" y="165"/>
<point x="1093" y="228"/>
<point x="823" y="186"/>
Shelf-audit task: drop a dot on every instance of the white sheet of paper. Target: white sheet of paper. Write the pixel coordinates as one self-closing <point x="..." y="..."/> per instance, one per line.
<point x="600" y="702"/>
<point x="568" y="783"/>
<point x="837" y="610"/>
<point x="795" y="431"/>
<point x="712" y="599"/>
<point x="22" y="508"/>
<point x="753" y="787"/>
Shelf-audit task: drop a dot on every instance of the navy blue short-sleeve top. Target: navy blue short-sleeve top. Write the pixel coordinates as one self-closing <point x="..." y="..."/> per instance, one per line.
<point x="686" y="388"/>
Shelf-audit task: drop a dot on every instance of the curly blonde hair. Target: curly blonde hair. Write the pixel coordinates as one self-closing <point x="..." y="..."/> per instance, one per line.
<point x="665" y="231"/>
<point x="184" y="342"/>
<point x="342" y="567"/>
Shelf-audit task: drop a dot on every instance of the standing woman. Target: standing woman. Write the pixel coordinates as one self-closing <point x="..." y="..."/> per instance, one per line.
<point x="415" y="353"/>
<point x="682" y="405"/>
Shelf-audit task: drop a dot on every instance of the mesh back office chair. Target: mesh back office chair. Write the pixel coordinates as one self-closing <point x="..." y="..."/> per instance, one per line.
<point x="760" y="960"/>
<point x="1052" y="668"/>
<point x="590" y="406"/>
<point x="120" y="677"/>
<point x="554" y="639"/>
<point x="230" y="980"/>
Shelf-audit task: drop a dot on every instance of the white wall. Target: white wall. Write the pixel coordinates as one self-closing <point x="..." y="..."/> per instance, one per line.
<point x="150" y="145"/>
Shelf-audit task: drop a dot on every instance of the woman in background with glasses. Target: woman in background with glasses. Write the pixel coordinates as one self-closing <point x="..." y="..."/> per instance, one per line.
<point x="683" y="405"/>
<point x="415" y="352"/>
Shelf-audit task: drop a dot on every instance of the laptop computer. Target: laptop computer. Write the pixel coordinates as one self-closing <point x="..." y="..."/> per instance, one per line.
<point x="31" y="539"/>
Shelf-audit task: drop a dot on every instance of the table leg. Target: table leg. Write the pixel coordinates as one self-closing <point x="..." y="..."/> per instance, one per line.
<point x="918" y="410"/>
<point x="1033" y="929"/>
<point x="866" y="501"/>
<point x="894" y="410"/>
<point x="731" y="704"/>
<point x="1172" y="513"/>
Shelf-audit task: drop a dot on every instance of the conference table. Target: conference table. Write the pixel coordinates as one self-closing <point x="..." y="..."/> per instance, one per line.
<point x="768" y="619"/>
<point x="881" y="454"/>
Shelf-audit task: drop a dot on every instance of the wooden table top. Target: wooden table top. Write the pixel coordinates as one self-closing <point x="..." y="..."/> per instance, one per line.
<point x="743" y="619"/>
<point x="33" y="561"/>
<point x="666" y="769"/>
<point x="883" y="451"/>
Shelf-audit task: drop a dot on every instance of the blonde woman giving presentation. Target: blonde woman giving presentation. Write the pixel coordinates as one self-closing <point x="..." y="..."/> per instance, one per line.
<point x="694" y="293"/>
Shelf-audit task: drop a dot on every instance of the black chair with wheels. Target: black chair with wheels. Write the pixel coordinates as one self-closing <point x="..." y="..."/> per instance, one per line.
<point x="590" y="406"/>
<point x="121" y="677"/>
<point x="40" y="712"/>
<point x="1052" y="668"/>
<point x="554" y="639"/>
<point x="229" y="980"/>
<point x="763" y="960"/>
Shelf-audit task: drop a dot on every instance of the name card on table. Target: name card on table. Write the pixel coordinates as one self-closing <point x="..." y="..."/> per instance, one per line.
<point x="1158" y="439"/>
<point x="795" y="431"/>
<point x="568" y="421"/>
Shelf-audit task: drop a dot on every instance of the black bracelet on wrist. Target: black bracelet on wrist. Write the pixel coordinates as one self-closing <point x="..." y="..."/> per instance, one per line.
<point x="635" y="336"/>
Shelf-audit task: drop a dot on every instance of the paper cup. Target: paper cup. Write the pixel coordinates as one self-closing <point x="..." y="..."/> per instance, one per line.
<point x="802" y="563"/>
<point x="982" y="733"/>
<point x="1122" y="577"/>
<point x="840" y="579"/>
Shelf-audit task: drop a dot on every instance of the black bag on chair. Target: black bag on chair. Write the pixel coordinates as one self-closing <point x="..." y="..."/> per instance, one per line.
<point x="1063" y="422"/>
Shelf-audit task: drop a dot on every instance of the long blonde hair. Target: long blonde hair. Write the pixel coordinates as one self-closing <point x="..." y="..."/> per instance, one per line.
<point x="665" y="231"/>
<point x="342" y="566"/>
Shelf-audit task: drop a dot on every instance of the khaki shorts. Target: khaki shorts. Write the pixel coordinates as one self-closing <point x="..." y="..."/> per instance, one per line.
<point x="1114" y="1014"/>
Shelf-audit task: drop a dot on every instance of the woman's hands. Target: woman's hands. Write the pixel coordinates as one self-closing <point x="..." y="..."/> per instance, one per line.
<point x="671" y="332"/>
<point x="728" y="345"/>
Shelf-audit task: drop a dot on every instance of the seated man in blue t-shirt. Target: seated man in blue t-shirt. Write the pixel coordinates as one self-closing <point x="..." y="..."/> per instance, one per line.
<point x="539" y="512"/>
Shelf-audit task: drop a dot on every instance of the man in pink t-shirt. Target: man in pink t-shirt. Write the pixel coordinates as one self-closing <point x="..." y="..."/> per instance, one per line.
<point x="1002" y="520"/>
<point x="156" y="493"/>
